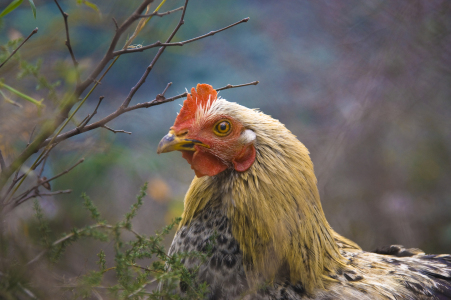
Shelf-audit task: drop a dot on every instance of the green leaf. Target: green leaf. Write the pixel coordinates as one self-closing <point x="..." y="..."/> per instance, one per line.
<point x="12" y="6"/>
<point x="93" y="6"/>
<point x="33" y="8"/>
<point x="26" y="97"/>
<point x="90" y="5"/>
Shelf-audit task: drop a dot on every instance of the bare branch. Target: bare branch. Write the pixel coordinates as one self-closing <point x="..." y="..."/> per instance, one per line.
<point x="64" y="172"/>
<point x="116" y="131"/>
<point x="156" y="102"/>
<point x="42" y="182"/>
<point x="63" y="113"/>
<point x="108" y="55"/>
<point x="37" y="194"/>
<point x="95" y="110"/>
<point x="229" y="86"/>
<point x="158" y="44"/>
<point x="75" y="62"/>
<point x="154" y="61"/>
<point x="21" y="44"/>
<point x="120" y="111"/>
<point x="161" y="14"/>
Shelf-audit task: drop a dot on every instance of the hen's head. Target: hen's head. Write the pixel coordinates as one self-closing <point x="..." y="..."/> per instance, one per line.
<point x="211" y="134"/>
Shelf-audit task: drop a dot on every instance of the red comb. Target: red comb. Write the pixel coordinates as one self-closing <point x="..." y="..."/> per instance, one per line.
<point x="197" y="98"/>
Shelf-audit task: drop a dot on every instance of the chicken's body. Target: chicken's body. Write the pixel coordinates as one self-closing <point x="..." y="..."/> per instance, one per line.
<point x="257" y="197"/>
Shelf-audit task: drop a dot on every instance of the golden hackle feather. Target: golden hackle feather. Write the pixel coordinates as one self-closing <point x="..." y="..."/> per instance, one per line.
<point x="274" y="207"/>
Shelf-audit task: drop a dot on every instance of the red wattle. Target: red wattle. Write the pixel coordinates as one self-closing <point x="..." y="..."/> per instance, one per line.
<point x="204" y="163"/>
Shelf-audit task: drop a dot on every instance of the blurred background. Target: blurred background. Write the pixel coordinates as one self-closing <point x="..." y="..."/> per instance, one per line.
<point x="365" y="85"/>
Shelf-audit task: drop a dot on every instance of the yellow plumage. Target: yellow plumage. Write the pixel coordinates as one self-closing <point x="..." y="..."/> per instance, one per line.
<point x="274" y="213"/>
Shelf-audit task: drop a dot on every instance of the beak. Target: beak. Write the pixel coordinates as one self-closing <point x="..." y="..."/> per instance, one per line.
<point x="171" y="142"/>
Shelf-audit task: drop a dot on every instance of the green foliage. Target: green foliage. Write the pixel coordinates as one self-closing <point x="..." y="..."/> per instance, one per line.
<point x="15" y="4"/>
<point x="89" y="205"/>
<point x="29" y="69"/>
<point x="26" y="69"/>
<point x="139" y="264"/>
<point x="42" y="223"/>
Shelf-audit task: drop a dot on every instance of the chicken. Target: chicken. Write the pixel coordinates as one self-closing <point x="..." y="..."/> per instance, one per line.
<point x="255" y="192"/>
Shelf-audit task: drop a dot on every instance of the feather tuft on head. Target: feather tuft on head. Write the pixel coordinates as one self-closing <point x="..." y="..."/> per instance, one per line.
<point x="203" y="96"/>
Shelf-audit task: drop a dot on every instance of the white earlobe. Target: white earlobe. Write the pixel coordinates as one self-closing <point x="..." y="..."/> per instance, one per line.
<point x="248" y="137"/>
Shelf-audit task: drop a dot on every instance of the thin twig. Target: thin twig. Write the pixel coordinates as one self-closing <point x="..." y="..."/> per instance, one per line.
<point x="24" y="194"/>
<point x="158" y="44"/>
<point x="161" y="14"/>
<point x="95" y="111"/>
<point x="21" y="44"/>
<point x="69" y="47"/>
<point x="37" y="194"/>
<point x="161" y="97"/>
<point x="31" y="135"/>
<point x="116" y="131"/>
<point x="2" y="162"/>
<point x="43" y="164"/>
<point x="16" y="178"/>
<point x="229" y="86"/>
<point x="115" y="23"/>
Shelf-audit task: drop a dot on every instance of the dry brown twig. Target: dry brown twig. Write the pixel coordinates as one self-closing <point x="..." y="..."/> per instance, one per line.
<point x="69" y="47"/>
<point x="21" y="44"/>
<point x="34" y="190"/>
<point x="44" y="138"/>
<point x="161" y="14"/>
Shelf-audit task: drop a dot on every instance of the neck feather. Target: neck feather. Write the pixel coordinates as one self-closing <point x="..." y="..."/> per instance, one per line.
<point x="275" y="212"/>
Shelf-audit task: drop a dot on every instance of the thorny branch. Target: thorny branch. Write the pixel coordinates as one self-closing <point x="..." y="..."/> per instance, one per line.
<point x="69" y="47"/>
<point x="44" y="138"/>
<point x="21" y="44"/>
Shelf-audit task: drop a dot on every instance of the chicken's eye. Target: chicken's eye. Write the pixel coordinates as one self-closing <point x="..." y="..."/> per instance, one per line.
<point x="222" y="128"/>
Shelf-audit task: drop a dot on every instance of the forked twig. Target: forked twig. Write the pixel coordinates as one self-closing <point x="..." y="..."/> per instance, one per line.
<point x="161" y="14"/>
<point x="42" y="182"/>
<point x="116" y="131"/>
<point x="158" y="44"/>
<point x="37" y="194"/>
